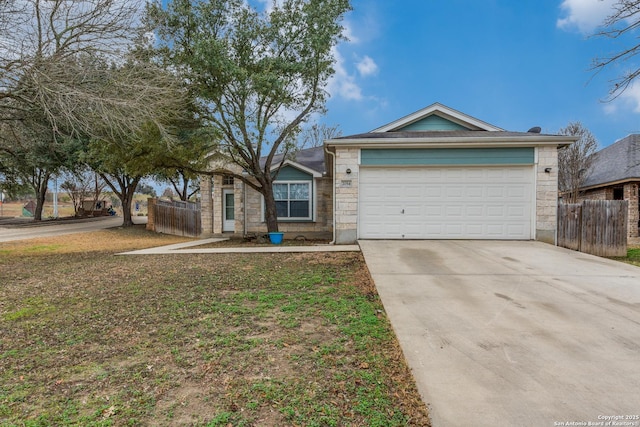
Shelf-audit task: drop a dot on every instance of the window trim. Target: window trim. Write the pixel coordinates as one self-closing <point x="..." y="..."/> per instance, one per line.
<point x="311" y="202"/>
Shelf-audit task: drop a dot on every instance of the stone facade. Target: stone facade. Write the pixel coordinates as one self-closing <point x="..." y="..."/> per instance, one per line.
<point x="206" y="206"/>
<point x="546" y="194"/>
<point x="320" y="228"/>
<point x="346" y="175"/>
<point x="347" y="159"/>
<point x="249" y="217"/>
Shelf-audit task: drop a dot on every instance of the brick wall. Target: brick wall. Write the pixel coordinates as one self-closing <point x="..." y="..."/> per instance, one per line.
<point x="631" y="194"/>
<point x="151" y="203"/>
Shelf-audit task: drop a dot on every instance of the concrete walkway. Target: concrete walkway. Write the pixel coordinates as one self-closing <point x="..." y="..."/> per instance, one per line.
<point x="514" y="333"/>
<point x="192" y="248"/>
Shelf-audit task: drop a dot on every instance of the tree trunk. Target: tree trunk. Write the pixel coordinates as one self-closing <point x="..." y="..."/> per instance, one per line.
<point x="126" y="212"/>
<point x="271" y="213"/>
<point x="41" y="194"/>
<point x="127" y="200"/>
<point x="125" y="191"/>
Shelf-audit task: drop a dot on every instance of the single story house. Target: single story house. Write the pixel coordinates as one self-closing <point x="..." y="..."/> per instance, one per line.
<point x="434" y="174"/>
<point x="615" y="175"/>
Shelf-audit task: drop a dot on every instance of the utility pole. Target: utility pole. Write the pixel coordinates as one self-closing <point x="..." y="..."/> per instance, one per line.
<point x="55" y="197"/>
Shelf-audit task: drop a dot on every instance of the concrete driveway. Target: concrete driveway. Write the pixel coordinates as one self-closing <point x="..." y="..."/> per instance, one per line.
<point x="514" y="333"/>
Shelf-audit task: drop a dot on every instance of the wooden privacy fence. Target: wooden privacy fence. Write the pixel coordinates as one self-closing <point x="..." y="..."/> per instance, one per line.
<point x="177" y="218"/>
<point x="597" y="227"/>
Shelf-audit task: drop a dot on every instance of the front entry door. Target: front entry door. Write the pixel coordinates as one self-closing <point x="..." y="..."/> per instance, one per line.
<point x="228" y="211"/>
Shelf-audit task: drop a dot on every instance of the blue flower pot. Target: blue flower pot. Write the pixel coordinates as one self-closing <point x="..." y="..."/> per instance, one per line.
<point x="276" y="237"/>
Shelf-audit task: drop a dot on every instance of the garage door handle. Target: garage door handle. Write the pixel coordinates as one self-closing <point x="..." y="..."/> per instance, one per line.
<point x="402" y="211"/>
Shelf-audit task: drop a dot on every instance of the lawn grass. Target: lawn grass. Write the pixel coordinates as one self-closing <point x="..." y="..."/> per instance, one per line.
<point x="91" y="338"/>
<point x="633" y="256"/>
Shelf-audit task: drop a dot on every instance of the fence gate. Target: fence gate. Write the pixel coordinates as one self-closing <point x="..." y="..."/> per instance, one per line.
<point x="597" y="227"/>
<point x="177" y="217"/>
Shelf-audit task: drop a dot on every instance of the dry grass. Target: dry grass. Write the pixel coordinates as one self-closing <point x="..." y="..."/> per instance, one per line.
<point x="91" y="338"/>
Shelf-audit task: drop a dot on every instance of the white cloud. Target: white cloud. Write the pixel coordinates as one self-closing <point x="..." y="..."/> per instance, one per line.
<point x="610" y="108"/>
<point x="631" y="97"/>
<point x="348" y="32"/>
<point x="629" y="100"/>
<point x="342" y="83"/>
<point x="367" y="66"/>
<point x="584" y="15"/>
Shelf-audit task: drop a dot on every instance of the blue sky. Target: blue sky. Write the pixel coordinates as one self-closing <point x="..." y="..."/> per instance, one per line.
<point x="514" y="64"/>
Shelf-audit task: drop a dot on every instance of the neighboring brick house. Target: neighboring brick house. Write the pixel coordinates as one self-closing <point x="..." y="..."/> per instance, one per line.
<point x="434" y="174"/>
<point x="615" y="175"/>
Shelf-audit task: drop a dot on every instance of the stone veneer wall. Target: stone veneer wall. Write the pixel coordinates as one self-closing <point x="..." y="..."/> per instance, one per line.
<point x="347" y="195"/>
<point x="206" y="206"/>
<point x="321" y="228"/>
<point x="546" y="194"/>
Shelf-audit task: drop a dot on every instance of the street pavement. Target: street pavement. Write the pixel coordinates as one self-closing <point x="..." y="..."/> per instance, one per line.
<point x="20" y="229"/>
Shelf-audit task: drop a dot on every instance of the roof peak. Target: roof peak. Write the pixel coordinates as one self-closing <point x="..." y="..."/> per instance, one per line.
<point x="441" y="110"/>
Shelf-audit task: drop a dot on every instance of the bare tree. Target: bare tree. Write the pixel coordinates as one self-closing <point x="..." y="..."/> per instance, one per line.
<point x="316" y="134"/>
<point x="81" y="186"/>
<point x="574" y="161"/>
<point x="79" y="69"/>
<point x="623" y="22"/>
<point x="57" y="60"/>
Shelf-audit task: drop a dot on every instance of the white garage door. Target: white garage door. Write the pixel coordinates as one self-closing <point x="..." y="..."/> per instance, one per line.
<point x="446" y="202"/>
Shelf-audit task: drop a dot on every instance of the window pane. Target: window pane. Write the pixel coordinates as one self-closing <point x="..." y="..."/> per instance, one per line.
<point x="282" y="209"/>
<point x="299" y="209"/>
<point x="229" y="206"/>
<point x="281" y="191"/>
<point x="299" y="191"/>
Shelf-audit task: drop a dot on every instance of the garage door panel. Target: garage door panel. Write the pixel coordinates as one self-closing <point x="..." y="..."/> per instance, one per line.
<point x="475" y="192"/>
<point x="474" y="211"/>
<point x="446" y="202"/>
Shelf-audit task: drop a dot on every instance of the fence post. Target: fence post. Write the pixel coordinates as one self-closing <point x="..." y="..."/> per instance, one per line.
<point x="151" y="214"/>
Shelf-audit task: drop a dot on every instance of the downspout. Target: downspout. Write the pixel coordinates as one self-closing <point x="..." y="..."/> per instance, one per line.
<point x="244" y="210"/>
<point x="333" y="189"/>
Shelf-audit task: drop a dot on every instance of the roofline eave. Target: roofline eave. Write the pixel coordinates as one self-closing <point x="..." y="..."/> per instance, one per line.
<point x="314" y="173"/>
<point x="610" y="183"/>
<point x="439" y="142"/>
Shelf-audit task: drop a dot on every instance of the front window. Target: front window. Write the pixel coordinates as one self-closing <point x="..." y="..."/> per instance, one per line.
<point x="293" y="200"/>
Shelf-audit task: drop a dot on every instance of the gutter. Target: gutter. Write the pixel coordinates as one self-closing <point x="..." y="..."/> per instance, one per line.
<point x="452" y="142"/>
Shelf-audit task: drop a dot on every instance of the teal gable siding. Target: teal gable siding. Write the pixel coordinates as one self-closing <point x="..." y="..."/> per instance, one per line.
<point x="433" y="122"/>
<point x="447" y="156"/>
<point x="288" y="173"/>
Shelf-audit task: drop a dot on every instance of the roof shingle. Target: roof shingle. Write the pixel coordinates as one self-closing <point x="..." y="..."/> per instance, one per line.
<point x="618" y="162"/>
